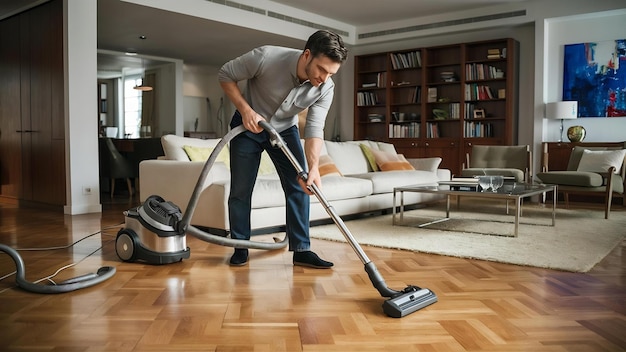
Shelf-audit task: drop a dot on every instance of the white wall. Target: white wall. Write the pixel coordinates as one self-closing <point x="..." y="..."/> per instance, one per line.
<point x="571" y="30"/>
<point x="199" y="84"/>
<point x="81" y="138"/>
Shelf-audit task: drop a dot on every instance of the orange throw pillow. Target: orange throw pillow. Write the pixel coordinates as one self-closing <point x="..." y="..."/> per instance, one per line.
<point x="327" y="166"/>
<point x="391" y="162"/>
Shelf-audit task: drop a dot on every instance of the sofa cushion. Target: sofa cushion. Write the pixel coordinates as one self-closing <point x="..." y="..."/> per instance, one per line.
<point x="601" y="160"/>
<point x="385" y="182"/>
<point x="571" y="178"/>
<point x="348" y="157"/>
<point x="173" y="146"/>
<point x="179" y="148"/>
<point x="269" y="192"/>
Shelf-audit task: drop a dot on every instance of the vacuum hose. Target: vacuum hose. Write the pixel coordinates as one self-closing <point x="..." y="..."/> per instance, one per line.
<point x="185" y="223"/>
<point x="76" y="283"/>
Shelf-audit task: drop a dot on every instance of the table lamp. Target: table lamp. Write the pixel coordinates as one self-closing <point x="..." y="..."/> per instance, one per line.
<point x="562" y="110"/>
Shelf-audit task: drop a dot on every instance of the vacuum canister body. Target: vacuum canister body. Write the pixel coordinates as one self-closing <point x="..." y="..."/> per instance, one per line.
<point x="151" y="234"/>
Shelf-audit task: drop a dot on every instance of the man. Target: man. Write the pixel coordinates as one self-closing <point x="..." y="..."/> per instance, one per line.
<point x="280" y="83"/>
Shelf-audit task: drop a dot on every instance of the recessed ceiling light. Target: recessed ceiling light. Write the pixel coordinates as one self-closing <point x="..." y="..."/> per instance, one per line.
<point x="142" y="37"/>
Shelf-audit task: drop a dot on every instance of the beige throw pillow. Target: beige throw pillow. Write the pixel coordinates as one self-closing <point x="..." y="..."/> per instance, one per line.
<point x="426" y="164"/>
<point x="601" y="160"/>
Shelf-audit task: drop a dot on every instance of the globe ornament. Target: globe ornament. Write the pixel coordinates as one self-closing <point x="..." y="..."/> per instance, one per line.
<point x="576" y="133"/>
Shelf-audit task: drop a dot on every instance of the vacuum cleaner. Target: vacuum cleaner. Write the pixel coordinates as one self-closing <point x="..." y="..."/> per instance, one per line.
<point x="76" y="283"/>
<point x="155" y="232"/>
<point x="399" y="303"/>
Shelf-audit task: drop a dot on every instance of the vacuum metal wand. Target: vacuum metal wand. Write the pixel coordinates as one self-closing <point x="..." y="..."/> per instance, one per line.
<point x="400" y="303"/>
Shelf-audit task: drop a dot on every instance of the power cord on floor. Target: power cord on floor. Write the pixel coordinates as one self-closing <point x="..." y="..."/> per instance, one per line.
<point x="49" y="277"/>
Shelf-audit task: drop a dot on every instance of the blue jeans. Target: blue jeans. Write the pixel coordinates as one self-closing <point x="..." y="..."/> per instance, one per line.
<point x="245" y="157"/>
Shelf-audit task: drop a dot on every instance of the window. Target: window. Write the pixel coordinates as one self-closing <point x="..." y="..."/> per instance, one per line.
<point x="132" y="106"/>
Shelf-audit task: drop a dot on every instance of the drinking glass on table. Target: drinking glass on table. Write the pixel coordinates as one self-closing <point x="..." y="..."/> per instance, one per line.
<point x="496" y="182"/>
<point x="484" y="182"/>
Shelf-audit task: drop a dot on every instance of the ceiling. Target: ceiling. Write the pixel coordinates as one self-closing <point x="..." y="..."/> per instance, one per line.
<point x="204" y="42"/>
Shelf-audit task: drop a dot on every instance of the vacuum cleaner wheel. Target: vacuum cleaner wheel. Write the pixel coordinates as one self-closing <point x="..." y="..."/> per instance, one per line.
<point x="126" y="245"/>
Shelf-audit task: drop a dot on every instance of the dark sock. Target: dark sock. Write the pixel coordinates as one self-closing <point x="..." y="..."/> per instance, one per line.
<point x="310" y="259"/>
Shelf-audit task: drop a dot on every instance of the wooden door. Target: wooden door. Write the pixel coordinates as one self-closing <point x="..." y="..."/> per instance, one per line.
<point x="10" y="123"/>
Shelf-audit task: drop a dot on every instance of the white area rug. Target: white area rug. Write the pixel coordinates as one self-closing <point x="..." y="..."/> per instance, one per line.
<point x="580" y="239"/>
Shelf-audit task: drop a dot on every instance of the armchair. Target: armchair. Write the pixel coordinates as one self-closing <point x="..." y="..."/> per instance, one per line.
<point x="596" y="171"/>
<point x="506" y="160"/>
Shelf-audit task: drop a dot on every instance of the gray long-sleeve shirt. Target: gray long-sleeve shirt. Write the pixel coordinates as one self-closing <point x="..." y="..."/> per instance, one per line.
<point x="274" y="91"/>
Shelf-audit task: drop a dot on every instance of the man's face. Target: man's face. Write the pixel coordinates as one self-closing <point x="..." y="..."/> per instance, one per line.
<point x="319" y="68"/>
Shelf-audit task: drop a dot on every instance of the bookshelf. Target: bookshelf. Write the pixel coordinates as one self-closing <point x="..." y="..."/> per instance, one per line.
<point x="440" y="100"/>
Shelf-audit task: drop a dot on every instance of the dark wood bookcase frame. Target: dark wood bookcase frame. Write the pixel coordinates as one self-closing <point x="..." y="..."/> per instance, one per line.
<point x="423" y="100"/>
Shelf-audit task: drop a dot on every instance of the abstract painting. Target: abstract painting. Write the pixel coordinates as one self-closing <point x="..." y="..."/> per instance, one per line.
<point x="594" y="74"/>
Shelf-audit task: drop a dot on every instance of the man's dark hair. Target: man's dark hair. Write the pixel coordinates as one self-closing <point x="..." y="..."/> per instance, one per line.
<point x="327" y="43"/>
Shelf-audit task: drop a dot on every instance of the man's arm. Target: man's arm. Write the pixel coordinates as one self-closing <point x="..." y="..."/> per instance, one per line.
<point x="249" y="117"/>
<point x="312" y="149"/>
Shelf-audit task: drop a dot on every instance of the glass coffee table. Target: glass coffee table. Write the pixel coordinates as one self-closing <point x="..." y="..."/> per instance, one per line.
<point x="510" y="192"/>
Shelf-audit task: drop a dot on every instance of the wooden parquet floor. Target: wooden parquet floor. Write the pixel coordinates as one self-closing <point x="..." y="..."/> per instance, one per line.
<point x="202" y="304"/>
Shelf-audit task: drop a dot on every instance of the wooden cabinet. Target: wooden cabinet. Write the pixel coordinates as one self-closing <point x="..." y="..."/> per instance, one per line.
<point x="32" y="135"/>
<point x="438" y="101"/>
<point x="555" y="155"/>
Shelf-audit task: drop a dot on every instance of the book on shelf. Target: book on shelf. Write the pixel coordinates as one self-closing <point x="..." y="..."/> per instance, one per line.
<point x="366" y="99"/>
<point x="405" y="130"/>
<point x="478" y="92"/>
<point x="454" y="111"/>
<point x="477" y="72"/>
<point x="493" y="54"/>
<point x="415" y="95"/>
<point x="406" y="60"/>
<point x="432" y="130"/>
<point x="380" y="79"/>
<point x="369" y="85"/>
<point x="432" y="94"/>
<point x="478" y="129"/>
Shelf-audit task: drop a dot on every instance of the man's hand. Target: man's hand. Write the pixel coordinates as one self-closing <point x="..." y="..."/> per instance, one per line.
<point x="249" y="117"/>
<point x="251" y="120"/>
<point x="313" y="176"/>
<point x="312" y="148"/>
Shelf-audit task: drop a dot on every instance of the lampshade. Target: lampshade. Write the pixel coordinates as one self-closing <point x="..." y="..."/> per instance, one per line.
<point x="143" y="87"/>
<point x="562" y="110"/>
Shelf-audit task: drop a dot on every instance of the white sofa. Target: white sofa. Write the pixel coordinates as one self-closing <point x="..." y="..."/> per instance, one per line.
<point x="357" y="189"/>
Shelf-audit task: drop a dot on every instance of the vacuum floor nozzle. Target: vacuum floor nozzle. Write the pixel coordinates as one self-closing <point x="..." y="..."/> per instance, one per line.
<point x="411" y="300"/>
